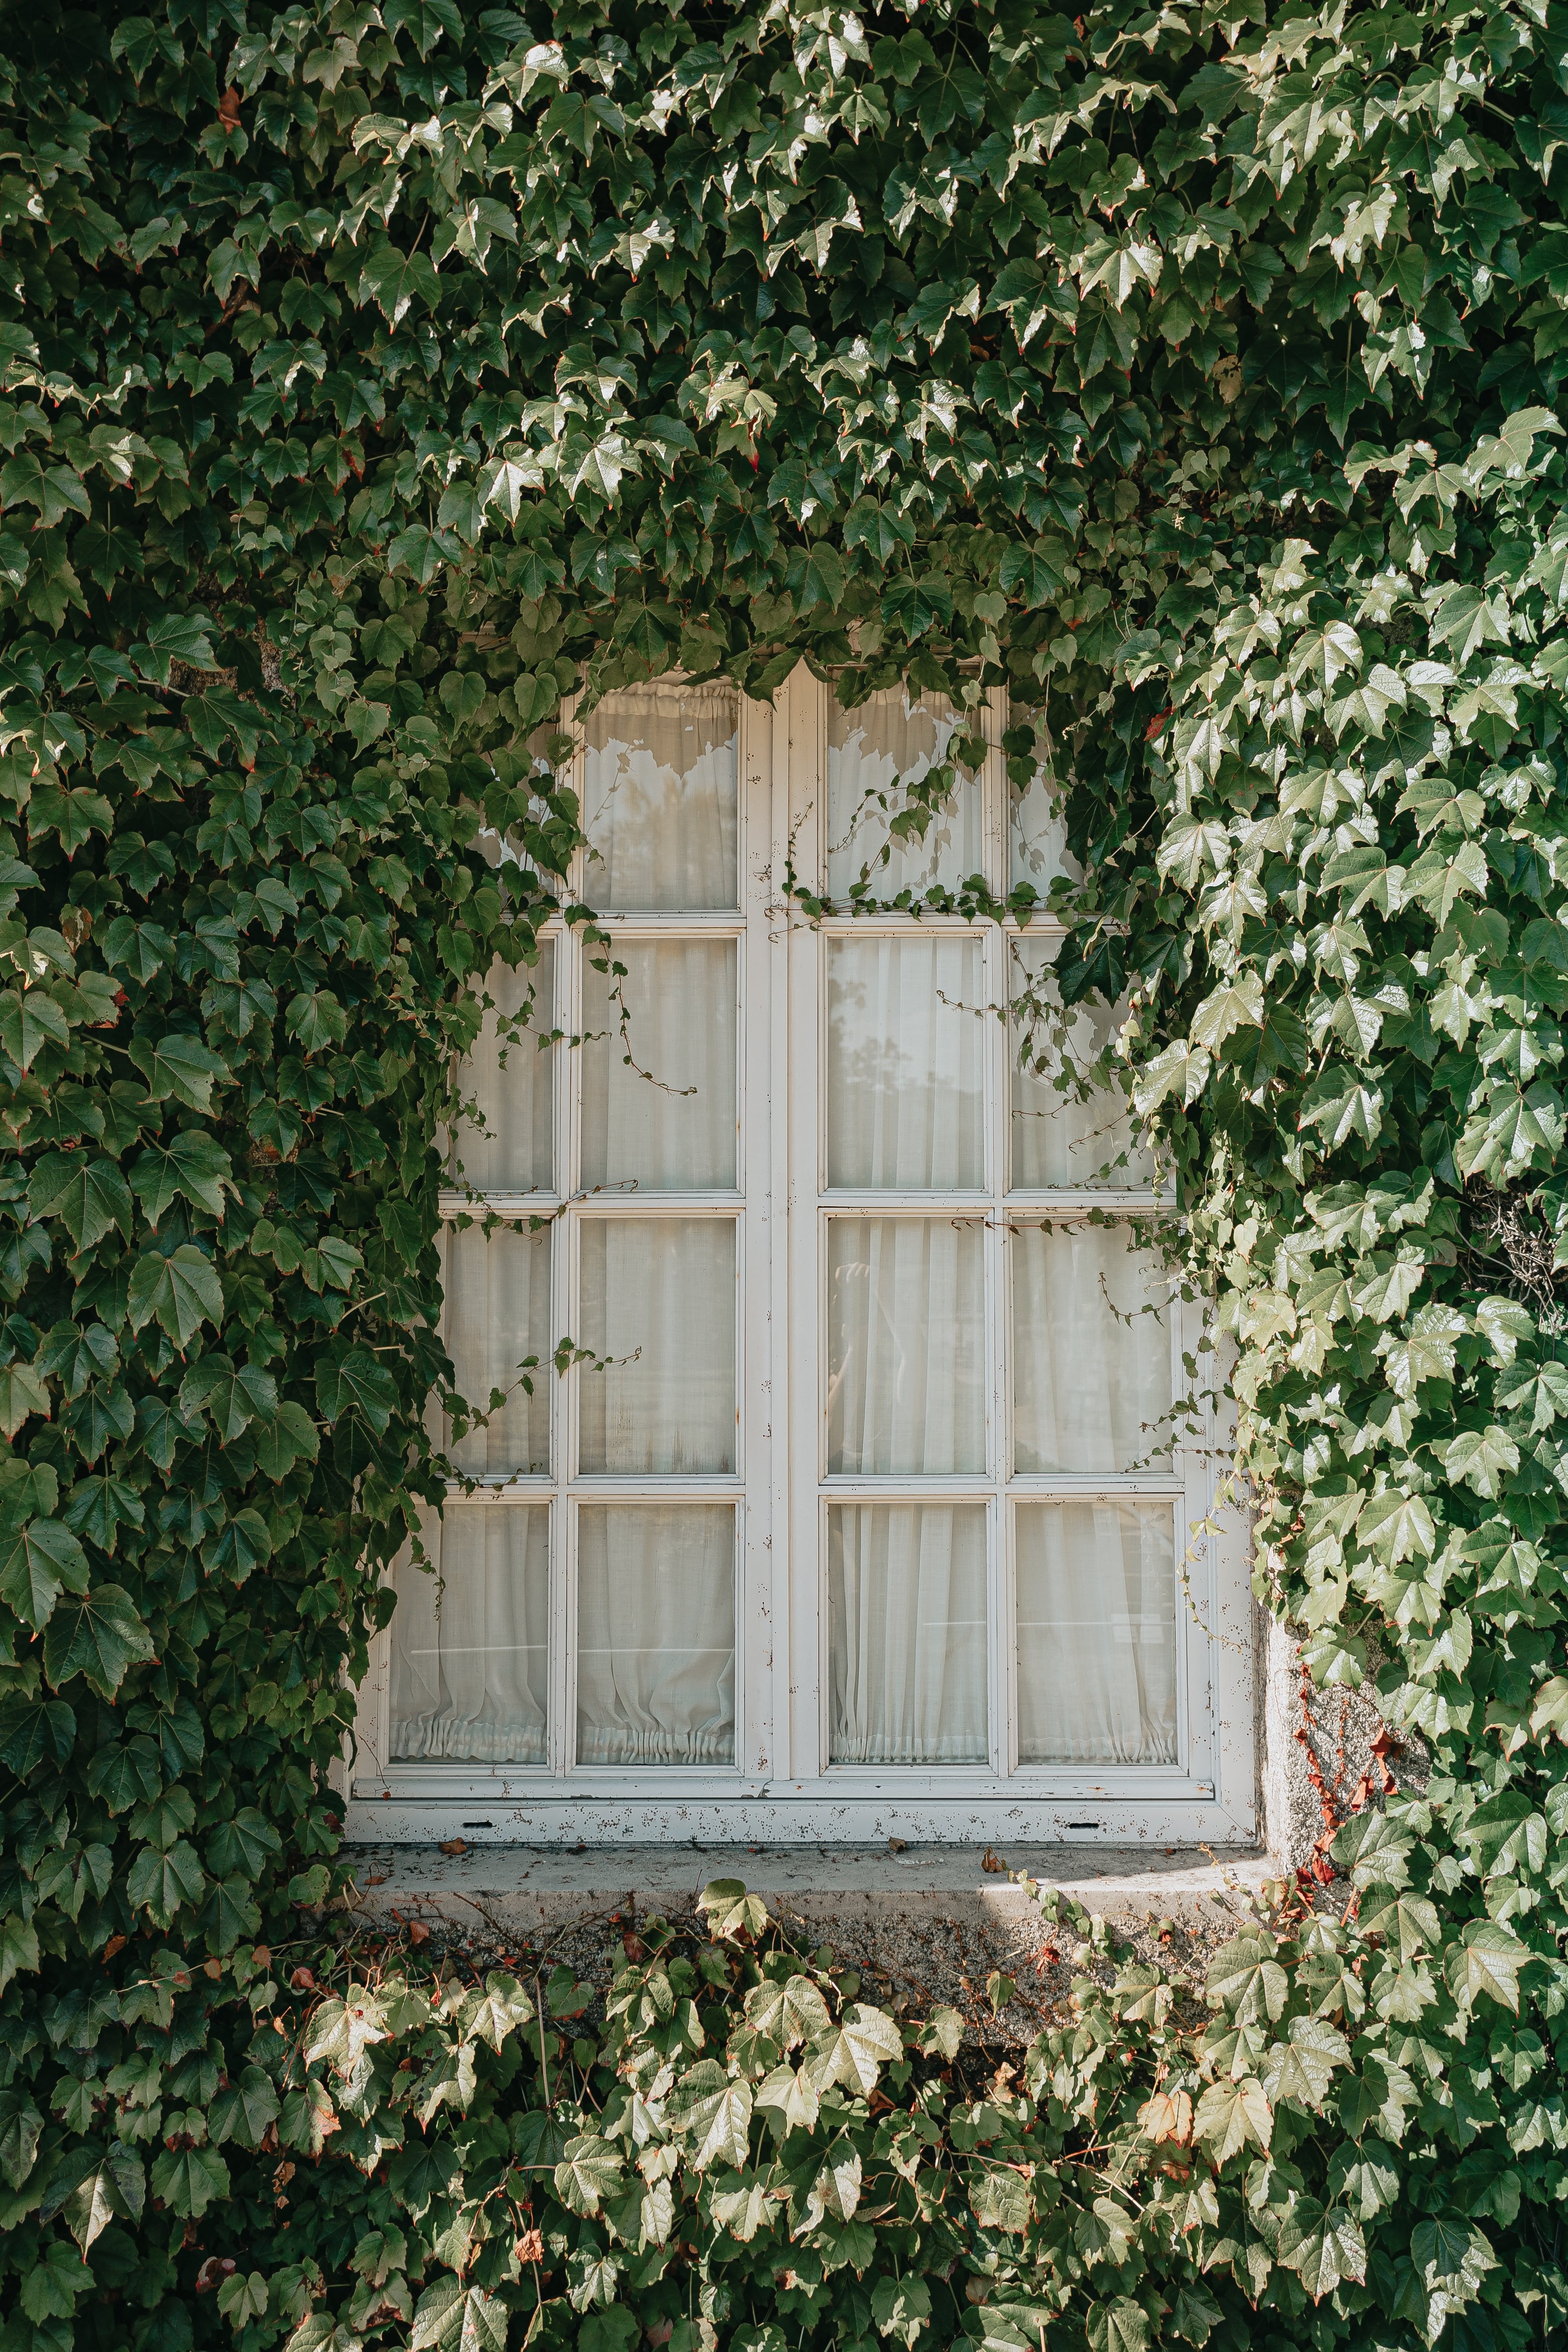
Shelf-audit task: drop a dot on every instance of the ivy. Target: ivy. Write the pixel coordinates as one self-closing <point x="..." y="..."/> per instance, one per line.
<point x="371" y="379"/>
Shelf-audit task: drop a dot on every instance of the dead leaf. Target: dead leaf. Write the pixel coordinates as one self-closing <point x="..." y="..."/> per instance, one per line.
<point x="1168" y="2115"/>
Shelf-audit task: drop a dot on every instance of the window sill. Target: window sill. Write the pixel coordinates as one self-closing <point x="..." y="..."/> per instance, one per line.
<point x="507" y="1891"/>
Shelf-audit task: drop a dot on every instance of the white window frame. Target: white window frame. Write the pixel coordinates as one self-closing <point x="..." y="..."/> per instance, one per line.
<point x="782" y="1788"/>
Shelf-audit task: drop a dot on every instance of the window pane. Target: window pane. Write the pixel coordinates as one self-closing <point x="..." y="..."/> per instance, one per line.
<point x="656" y="1635"/>
<point x="673" y="1129"/>
<point x="905" y="1037"/>
<point x="660" y="798"/>
<point x="498" y="1312"/>
<point x="905" y="1342"/>
<point x="470" y="1642"/>
<point x="506" y="1145"/>
<point x="658" y="1299"/>
<point x="873" y="753"/>
<point x="907" y="1604"/>
<point x="1091" y="1364"/>
<point x="1038" y="834"/>
<point x="1096" y="1632"/>
<point x="1057" y="1139"/>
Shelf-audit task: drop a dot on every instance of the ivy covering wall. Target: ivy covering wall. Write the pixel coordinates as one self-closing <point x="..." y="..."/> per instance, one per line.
<point x="372" y="377"/>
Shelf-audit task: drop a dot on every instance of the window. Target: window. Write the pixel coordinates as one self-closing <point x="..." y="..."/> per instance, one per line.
<point x="862" y="1503"/>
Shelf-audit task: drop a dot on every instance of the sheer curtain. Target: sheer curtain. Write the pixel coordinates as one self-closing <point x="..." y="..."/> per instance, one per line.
<point x="906" y="1328"/>
<point x="1038" y="834"/>
<point x="659" y="796"/>
<point x="496" y="1312"/>
<point x="905" y="1057"/>
<point x="506" y="1147"/>
<point x="656" y="1634"/>
<point x="1097" y="1631"/>
<point x="470" y="1643"/>
<point x="1058" y="1139"/>
<point x="907" y="1580"/>
<point x="670" y="1124"/>
<point x="907" y="1603"/>
<point x="658" y="1301"/>
<point x="1091" y="1351"/>
<point x="873" y="751"/>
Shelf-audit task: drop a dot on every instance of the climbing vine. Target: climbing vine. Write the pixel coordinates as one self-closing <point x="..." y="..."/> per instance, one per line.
<point x="374" y="378"/>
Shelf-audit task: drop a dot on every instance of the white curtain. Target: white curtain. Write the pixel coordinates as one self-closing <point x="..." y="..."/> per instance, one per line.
<point x="507" y="1146"/>
<point x="658" y="1300"/>
<point x="498" y="1312"/>
<point x="660" y="798"/>
<point x="874" y="751"/>
<point x="1096" y="1632"/>
<point x="470" y="1642"/>
<point x="906" y="1328"/>
<point x="905" y="1056"/>
<point x="1058" y="1139"/>
<point x="1038" y="834"/>
<point x="670" y="1124"/>
<point x="907" y="1641"/>
<point x="1091" y="1351"/>
<point x="656" y="1634"/>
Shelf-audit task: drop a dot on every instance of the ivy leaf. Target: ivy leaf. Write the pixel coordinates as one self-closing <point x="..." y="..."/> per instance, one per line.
<point x="1323" y="2248"/>
<point x="1486" y="1961"/>
<point x="242" y="1844"/>
<point x="355" y="1383"/>
<point x="590" y="2170"/>
<point x="1301" y="2067"/>
<point x="178" y="1066"/>
<point x="1246" y="1979"/>
<point x="397" y="281"/>
<point x="190" y="2179"/>
<point x="451" y="2317"/>
<point x="999" y="2197"/>
<point x="1480" y="1457"/>
<point x="99" y="1636"/>
<point x="93" y="2188"/>
<point x="38" y="1562"/>
<point x="182" y="1291"/>
<point x="91" y="1197"/>
<point x="1230" y="2116"/>
<point x="1122" y="2325"/>
<point x="29" y="1021"/>
<point x="191" y="1164"/>
<point x="160" y="1882"/>
<point x="715" y="2112"/>
<point x="243" y="2112"/>
<point x="231" y="1399"/>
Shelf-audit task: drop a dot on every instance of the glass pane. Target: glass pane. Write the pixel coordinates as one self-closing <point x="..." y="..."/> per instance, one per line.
<point x="905" y="1344"/>
<point x="874" y="752"/>
<point x="656" y="1635"/>
<point x="1038" y="833"/>
<point x="1057" y="1139"/>
<point x="505" y="1146"/>
<point x="498" y="1313"/>
<point x="658" y="1300"/>
<point x="1096" y="1632"/>
<point x="660" y="798"/>
<point x="906" y="1587"/>
<point x="669" y="1124"/>
<point x="905" y="1040"/>
<point x="1091" y="1352"/>
<point x="470" y="1642"/>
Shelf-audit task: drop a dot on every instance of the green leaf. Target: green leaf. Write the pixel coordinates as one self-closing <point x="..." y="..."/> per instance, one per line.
<point x="38" y="1562"/>
<point x="1122" y="2325"/>
<point x="1322" y="2247"/>
<point x="191" y="1164"/>
<point x="242" y="1844"/>
<point x="1231" y="2116"/>
<point x="20" y="2126"/>
<point x="18" y="1948"/>
<point x="714" y="2113"/>
<point x="1487" y="1961"/>
<point x="999" y="2197"/>
<point x="97" y="1636"/>
<point x="181" y="1066"/>
<point x="397" y="281"/>
<point x="355" y="1383"/>
<point x="183" y="1291"/>
<point x="95" y="2188"/>
<point x="159" y="1883"/>
<point x="243" y="2112"/>
<point x="190" y="2179"/>
<point x="29" y="1021"/>
<point x="232" y="1399"/>
<point x="91" y="1197"/>
<point x="590" y="2170"/>
<point x="1245" y="1977"/>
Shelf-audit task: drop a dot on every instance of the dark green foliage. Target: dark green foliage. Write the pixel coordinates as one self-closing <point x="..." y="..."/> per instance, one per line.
<point x="371" y="379"/>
